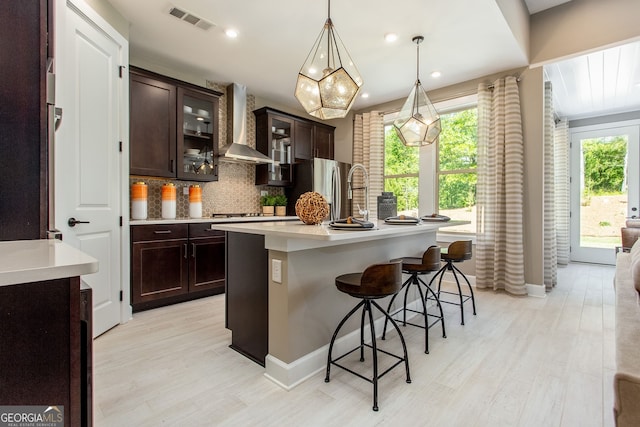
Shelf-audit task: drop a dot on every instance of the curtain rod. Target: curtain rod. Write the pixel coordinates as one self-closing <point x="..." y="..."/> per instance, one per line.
<point x="470" y="91"/>
<point x="491" y="86"/>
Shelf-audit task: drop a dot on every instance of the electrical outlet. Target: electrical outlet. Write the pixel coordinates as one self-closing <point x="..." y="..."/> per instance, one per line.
<point x="185" y="191"/>
<point x="276" y="270"/>
<point x="264" y="193"/>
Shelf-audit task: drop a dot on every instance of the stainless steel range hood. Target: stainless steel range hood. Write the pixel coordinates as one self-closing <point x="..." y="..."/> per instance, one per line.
<point x="236" y="149"/>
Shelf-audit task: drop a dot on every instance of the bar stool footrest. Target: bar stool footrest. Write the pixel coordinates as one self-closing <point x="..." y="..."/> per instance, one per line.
<point x="401" y="322"/>
<point x="400" y="360"/>
<point x="465" y="298"/>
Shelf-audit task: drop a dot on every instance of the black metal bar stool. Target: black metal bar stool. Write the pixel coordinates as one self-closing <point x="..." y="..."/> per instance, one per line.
<point x="429" y="263"/>
<point x="457" y="251"/>
<point x="377" y="281"/>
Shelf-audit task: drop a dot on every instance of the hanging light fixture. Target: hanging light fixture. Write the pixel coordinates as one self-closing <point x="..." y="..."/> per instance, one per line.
<point x="328" y="81"/>
<point x="418" y="122"/>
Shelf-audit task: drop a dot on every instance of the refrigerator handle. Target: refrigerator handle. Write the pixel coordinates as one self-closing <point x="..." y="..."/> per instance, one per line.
<point x="337" y="193"/>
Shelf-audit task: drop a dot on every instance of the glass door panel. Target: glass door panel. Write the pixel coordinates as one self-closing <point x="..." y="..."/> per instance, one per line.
<point x="198" y="142"/>
<point x="604" y="190"/>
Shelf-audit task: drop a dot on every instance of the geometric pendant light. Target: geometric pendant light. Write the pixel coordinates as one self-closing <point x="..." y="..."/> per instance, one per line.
<point x="418" y="122"/>
<point x="328" y="81"/>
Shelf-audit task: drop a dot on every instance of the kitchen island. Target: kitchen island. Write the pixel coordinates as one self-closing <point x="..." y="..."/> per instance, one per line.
<point x="45" y="328"/>
<point x="304" y="306"/>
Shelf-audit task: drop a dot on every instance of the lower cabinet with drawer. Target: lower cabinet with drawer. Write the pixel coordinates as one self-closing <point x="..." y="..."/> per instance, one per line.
<point x="174" y="263"/>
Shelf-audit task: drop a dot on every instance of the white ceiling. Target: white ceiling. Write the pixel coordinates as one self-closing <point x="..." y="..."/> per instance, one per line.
<point x="600" y="83"/>
<point x="464" y="39"/>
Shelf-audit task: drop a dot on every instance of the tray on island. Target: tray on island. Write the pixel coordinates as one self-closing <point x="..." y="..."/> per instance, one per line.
<point x="351" y="224"/>
<point x="402" y="220"/>
<point x="435" y="218"/>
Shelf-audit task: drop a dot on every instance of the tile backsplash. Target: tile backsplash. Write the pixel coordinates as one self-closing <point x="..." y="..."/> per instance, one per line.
<point x="234" y="192"/>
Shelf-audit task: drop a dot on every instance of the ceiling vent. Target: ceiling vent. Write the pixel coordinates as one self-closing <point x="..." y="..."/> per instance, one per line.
<point x="190" y="18"/>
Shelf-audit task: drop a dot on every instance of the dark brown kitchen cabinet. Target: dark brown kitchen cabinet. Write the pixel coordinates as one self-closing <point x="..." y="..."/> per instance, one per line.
<point x="247" y="295"/>
<point x="313" y="140"/>
<point x="207" y="255"/>
<point x="152" y="127"/>
<point x="286" y="139"/>
<point x="174" y="263"/>
<point x="26" y="51"/>
<point x="173" y="128"/>
<point x="45" y="356"/>
<point x="304" y="140"/>
<point x="323" y="141"/>
<point x="159" y="264"/>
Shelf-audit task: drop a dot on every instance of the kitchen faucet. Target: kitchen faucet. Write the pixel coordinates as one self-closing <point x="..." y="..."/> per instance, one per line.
<point x="364" y="212"/>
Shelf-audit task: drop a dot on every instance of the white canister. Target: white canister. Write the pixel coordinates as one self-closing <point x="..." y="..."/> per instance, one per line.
<point x="139" y="192"/>
<point x="168" y="201"/>
<point x="195" y="201"/>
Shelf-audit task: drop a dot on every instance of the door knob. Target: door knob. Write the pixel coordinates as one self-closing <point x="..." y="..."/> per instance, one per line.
<point x="72" y="222"/>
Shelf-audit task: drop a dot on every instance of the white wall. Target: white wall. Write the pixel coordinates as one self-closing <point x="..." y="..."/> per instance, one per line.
<point x="580" y="26"/>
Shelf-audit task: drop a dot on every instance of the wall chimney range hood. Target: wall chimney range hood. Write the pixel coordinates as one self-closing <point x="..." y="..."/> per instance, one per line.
<point x="236" y="149"/>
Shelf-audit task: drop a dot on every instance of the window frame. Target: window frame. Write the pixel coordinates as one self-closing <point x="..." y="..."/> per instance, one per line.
<point x="429" y="160"/>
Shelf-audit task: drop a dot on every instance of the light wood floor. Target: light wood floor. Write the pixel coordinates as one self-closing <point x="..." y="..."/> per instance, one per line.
<point x="519" y="362"/>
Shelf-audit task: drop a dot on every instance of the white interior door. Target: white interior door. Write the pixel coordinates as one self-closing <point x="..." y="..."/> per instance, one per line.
<point x="597" y="213"/>
<point x="87" y="157"/>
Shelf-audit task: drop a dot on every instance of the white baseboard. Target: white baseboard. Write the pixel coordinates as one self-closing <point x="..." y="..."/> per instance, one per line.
<point x="537" y="291"/>
<point x="289" y="375"/>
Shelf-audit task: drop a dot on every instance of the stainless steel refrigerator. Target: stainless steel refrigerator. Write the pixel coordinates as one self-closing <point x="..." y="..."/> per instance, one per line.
<point x="324" y="176"/>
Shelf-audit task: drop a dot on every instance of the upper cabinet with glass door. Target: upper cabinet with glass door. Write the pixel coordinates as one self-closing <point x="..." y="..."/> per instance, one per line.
<point x="197" y="143"/>
<point x="173" y="128"/>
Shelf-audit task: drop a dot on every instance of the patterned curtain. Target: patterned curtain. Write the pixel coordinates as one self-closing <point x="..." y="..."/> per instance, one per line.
<point x="499" y="245"/>
<point x="368" y="149"/>
<point x="562" y="193"/>
<point x="549" y="215"/>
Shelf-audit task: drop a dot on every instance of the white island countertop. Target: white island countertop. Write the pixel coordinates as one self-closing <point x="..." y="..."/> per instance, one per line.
<point x="295" y="235"/>
<point x="25" y="261"/>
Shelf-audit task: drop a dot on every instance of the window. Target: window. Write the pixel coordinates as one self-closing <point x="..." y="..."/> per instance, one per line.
<point x="457" y="163"/>
<point x="401" y="172"/>
<point x="455" y="169"/>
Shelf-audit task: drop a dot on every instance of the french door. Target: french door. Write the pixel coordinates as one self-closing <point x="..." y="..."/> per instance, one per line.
<point x="604" y="188"/>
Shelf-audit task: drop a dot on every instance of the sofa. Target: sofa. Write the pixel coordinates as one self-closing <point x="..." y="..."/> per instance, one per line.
<point x="626" y="381"/>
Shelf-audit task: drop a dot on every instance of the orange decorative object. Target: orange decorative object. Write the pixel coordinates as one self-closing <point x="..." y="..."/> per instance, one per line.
<point x="195" y="201"/>
<point x="139" y="191"/>
<point x="168" y="201"/>
<point x="139" y="195"/>
<point x="168" y="192"/>
<point x="195" y="194"/>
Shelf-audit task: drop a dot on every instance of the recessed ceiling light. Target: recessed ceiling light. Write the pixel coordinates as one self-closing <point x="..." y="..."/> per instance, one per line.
<point x="365" y="95"/>
<point x="231" y="33"/>
<point x="436" y="74"/>
<point x="390" y="37"/>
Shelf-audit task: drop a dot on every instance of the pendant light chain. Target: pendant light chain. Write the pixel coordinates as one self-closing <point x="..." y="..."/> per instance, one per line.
<point x="416" y="99"/>
<point x="418" y="60"/>
<point x="329" y="36"/>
